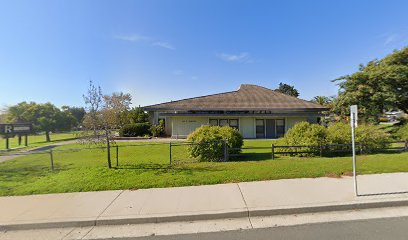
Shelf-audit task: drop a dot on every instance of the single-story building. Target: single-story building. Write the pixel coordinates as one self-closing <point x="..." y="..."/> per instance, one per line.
<point x="257" y="112"/>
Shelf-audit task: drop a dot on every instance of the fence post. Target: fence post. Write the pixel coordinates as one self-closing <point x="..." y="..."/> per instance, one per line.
<point x="170" y="152"/>
<point x="52" y="160"/>
<point x="225" y="151"/>
<point x="7" y="142"/>
<point x="406" y="145"/>
<point x="117" y="155"/>
<point x="273" y="151"/>
<point x="26" y="140"/>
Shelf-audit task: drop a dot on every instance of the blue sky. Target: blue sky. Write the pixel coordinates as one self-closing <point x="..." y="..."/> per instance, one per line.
<point x="167" y="50"/>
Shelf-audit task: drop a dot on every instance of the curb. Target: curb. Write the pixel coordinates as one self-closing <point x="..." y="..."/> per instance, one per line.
<point x="255" y="212"/>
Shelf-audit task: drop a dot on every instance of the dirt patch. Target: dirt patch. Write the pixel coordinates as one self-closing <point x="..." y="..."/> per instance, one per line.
<point x="332" y="175"/>
<point x="349" y="174"/>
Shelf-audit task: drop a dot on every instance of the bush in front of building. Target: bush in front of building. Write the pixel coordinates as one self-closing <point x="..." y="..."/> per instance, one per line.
<point x="158" y="130"/>
<point x="371" y="137"/>
<point x="303" y="134"/>
<point x="135" y="130"/>
<point x="208" y="142"/>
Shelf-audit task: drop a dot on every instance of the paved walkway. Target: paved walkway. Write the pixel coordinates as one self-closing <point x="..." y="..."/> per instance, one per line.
<point x="200" y="202"/>
<point x="12" y="155"/>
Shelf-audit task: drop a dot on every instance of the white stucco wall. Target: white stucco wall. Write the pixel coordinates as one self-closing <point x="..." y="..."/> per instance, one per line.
<point x="247" y="127"/>
<point x="182" y="126"/>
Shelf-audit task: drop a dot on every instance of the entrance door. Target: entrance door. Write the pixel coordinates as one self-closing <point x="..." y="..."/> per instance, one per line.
<point x="270" y="128"/>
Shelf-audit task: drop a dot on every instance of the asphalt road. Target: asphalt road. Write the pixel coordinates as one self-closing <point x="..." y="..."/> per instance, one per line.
<point x="373" y="229"/>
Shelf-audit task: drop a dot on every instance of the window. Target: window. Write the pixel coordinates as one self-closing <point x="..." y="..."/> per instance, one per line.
<point x="213" y="122"/>
<point x="233" y="123"/>
<point x="260" y="128"/>
<point x="223" y="122"/>
<point x="280" y="127"/>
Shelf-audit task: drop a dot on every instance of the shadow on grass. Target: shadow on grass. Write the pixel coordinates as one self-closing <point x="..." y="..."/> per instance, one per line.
<point x="251" y="157"/>
<point x="166" y="168"/>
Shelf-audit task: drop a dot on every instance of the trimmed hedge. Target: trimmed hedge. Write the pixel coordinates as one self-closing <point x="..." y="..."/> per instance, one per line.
<point x="208" y="142"/>
<point x="135" y="130"/>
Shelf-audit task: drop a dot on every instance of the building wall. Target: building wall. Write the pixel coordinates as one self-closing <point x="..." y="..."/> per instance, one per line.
<point x="181" y="127"/>
<point x="247" y="127"/>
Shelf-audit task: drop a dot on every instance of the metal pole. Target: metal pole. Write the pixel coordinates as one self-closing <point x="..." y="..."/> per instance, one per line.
<point x="52" y="160"/>
<point x="225" y="151"/>
<point x="273" y="151"/>
<point x="7" y="142"/>
<point x="117" y="155"/>
<point x="353" y="145"/>
<point x="170" y="152"/>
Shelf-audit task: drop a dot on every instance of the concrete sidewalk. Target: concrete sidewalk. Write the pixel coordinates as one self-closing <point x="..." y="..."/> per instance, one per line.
<point x="222" y="201"/>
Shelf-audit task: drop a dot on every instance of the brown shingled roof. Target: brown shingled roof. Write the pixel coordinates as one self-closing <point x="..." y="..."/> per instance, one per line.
<point x="247" y="98"/>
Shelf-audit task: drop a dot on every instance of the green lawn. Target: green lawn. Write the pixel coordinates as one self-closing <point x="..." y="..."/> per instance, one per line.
<point x="147" y="167"/>
<point x="36" y="140"/>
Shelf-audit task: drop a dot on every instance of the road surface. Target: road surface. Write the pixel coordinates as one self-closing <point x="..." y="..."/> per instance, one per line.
<point x="372" y="229"/>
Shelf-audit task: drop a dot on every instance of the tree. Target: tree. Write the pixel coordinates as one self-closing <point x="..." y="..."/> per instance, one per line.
<point x="322" y="100"/>
<point x="138" y="115"/>
<point x="101" y="117"/>
<point x="77" y="112"/>
<point x="378" y="86"/>
<point x="118" y="104"/>
<point x="288" y="90"/>
<point x="45" y="117"/>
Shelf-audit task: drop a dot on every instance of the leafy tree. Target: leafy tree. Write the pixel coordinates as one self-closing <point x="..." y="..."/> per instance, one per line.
<point x="118" y="106"/>
<point x="322" y="100"/>
<point x="138" y="115"/>
<point x="77" y="112"/>
<point x="288" y="90"/>
<point x="44" y="117"/>
<point x="378" y="86"/>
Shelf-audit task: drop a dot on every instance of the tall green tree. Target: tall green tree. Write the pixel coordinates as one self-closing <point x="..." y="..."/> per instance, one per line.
<point x="45" y="117"/>
<point x="380" y="85"/>
<point x="138" y="115"/>
<point x="322" y="100"/>
<point x="77" y="112"/>
<point x="288" y="89"/>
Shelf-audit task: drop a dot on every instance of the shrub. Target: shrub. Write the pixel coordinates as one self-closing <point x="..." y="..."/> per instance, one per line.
<point x="157" y="130"/>
<point x="208" y="142"/>
<point x="135" y="130"/>
<point x="402" y="132"/>
<point x="370" y="136"/>
<point x="304" y="134"/>
<point x="339" y="133"/>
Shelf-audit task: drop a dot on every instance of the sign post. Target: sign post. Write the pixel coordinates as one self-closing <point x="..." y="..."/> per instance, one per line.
<point x="353" y="122"/>
<point x="10" y="129"/>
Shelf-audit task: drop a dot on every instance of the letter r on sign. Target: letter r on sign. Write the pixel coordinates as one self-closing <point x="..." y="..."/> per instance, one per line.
<point x="8" y="129"/>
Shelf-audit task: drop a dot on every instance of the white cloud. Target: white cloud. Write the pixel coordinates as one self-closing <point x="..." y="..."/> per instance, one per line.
<point x="164" y="45"/>
<point x="390" y="38"/>
<point x="241" y="57"/>
<point x="149" y="40"/>
<point x="132" y="38"/>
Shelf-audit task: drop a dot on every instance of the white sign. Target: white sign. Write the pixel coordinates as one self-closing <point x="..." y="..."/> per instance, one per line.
<point x="353" y="115"/>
